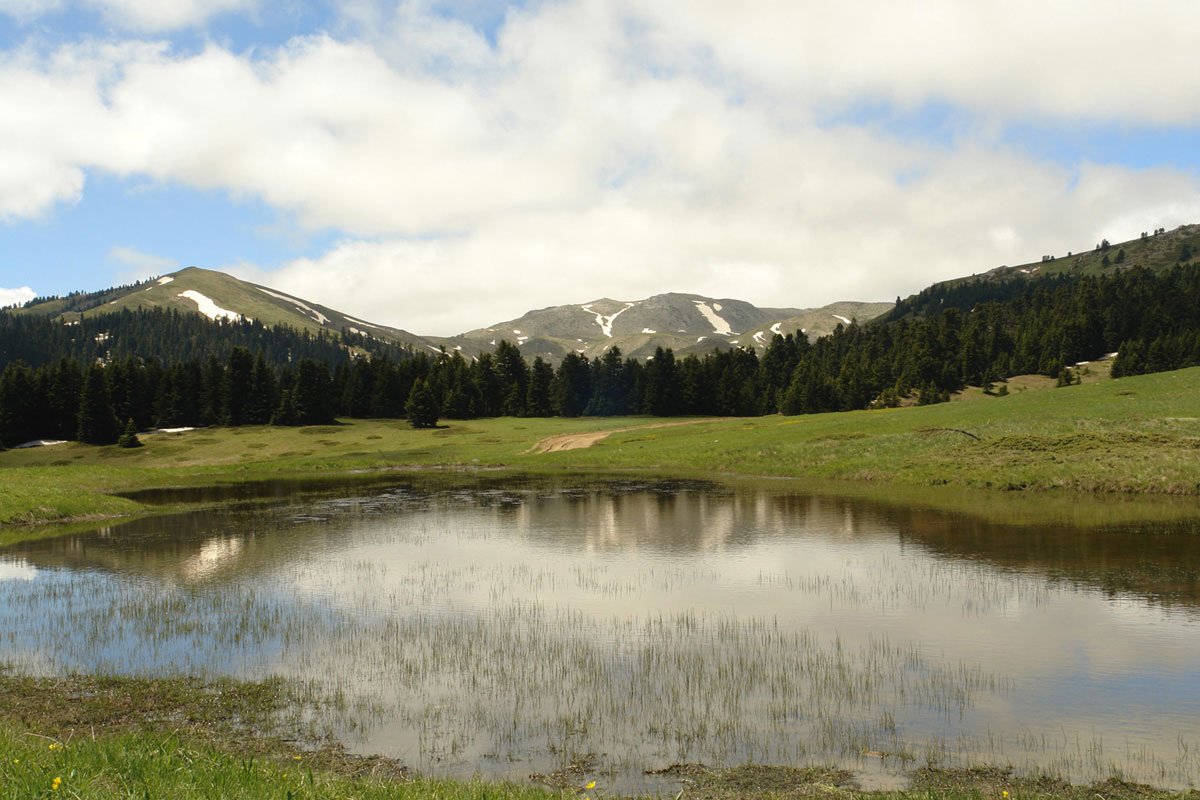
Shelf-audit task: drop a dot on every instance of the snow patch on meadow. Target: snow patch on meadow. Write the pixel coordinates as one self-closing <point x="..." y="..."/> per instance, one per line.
<point x="208" y="308"/>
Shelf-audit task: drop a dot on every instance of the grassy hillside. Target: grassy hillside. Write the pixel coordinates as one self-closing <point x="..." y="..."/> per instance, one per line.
<point x="1156" y="252"/>
<point x="1138" y="435"/>
<point x="268" y="306"/>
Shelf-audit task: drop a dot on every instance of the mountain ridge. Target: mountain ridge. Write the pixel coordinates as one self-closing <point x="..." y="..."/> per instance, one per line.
<point x="683" y="322"/>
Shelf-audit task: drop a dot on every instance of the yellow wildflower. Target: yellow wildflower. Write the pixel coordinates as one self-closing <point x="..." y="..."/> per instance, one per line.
<point x="55" y="784"/>
<point x="55" y="745"/>
<point x="591" y="785"/>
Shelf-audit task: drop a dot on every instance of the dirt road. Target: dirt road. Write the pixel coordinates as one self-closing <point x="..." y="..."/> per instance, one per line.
<point x="576" y="441"/>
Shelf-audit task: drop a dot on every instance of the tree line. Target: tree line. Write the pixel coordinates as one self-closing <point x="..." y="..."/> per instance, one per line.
<point x="172" y="336"/>
<point x="1045" y="326"/>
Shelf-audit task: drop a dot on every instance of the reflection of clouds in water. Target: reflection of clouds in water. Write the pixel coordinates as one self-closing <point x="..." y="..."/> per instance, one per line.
<point x="556" y="594"/>
<point x="213" y="554"/>
<point x="18" y="570"/>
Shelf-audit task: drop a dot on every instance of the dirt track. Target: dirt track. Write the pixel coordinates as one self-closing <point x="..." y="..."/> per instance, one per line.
<point x="576" y="441"/>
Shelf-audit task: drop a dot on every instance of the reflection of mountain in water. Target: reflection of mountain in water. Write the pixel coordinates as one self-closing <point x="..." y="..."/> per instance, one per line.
<point x="1159" y="563"/>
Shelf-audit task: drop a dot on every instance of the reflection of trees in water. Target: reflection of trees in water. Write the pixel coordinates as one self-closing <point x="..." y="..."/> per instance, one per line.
<point x="1157" y="562"/>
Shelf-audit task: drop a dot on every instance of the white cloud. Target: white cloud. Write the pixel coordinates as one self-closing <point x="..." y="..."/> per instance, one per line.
<point x="1101" y="59"/>
<point x="25" y="10"/>
<point x="873" y="247"/>
<point x="13" y="297"/>
<point x="133" y="265"/>
<point x="134" y="15"/>
<point x="157" y="15"/>
<point x="621" y="149"/>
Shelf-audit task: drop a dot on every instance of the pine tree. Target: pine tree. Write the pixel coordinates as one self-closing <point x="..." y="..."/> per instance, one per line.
<point x="261" y="403"/>
<point x="238" y="387"/>
<point x="537" y="402"/>
<point x="572" y="386"/>
<point x="129" y="438"/>
<point x="421" y="407"/>
<point x="662" y="394"/>
<point x="97" y="422"/>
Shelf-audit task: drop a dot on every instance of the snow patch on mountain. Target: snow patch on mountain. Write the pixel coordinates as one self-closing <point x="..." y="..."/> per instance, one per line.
<point x="208" y="308"/>
<point x="360" y="322"/>
<point x="710" y="313"/>
<point x="164" y="280"/>
<point x="758" y="337"/>
<point x="317" y="315"/>
<point x="648" y="330"/>
<point x="604" y="322"/>
<point x="775" y="329"/>
<point x="843" y="319"/>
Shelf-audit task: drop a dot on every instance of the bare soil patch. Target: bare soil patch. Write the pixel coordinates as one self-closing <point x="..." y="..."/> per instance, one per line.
<point x="577" y="441"/>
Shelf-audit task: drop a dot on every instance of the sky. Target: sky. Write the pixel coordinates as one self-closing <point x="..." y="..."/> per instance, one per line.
<point x="441" y="166"/>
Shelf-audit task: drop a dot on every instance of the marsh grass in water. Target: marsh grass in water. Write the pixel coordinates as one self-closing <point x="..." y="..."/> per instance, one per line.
<point x="515" y="629"/>
<point x="129" y="750"/>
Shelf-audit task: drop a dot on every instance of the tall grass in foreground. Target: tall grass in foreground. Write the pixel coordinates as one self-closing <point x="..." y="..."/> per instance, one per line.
<point x="167" y="766"/>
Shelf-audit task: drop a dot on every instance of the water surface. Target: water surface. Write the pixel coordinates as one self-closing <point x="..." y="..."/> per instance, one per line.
<point x="507" y="630"/>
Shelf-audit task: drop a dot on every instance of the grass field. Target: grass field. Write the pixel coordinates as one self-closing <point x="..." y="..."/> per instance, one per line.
<point x="1133" y="436"/>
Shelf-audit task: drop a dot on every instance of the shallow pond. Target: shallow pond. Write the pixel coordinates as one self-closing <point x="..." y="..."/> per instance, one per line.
<point x="508" y="630"/>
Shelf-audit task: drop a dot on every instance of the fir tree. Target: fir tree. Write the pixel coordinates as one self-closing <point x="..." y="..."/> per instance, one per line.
<point x="537" y="402"/>
<point x="97" y="422"/>
<point x="421" y="407"/>
<point x="129" y="438"/>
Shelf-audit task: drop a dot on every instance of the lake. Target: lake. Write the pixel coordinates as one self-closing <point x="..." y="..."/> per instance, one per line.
<point x="510" y="628"/>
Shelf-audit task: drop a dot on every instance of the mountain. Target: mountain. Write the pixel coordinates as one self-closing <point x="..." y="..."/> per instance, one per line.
<point x="686" y="323"/>
<point x="217" y="296"/>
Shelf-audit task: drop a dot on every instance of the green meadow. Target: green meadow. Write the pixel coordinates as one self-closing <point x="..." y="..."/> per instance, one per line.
<point x="1135" y="436"/>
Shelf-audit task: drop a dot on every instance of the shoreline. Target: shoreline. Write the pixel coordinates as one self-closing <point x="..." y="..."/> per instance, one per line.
<point x="1137" y="439"/>
<point x="186" y="738"/>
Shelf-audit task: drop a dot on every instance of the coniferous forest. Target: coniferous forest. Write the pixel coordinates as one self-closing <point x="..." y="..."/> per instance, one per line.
<point x="87" y="380"/>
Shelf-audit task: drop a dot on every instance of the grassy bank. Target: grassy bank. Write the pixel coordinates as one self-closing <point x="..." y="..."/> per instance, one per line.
<point x="125" y="737"/>
<point x="1138" y="435"/>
